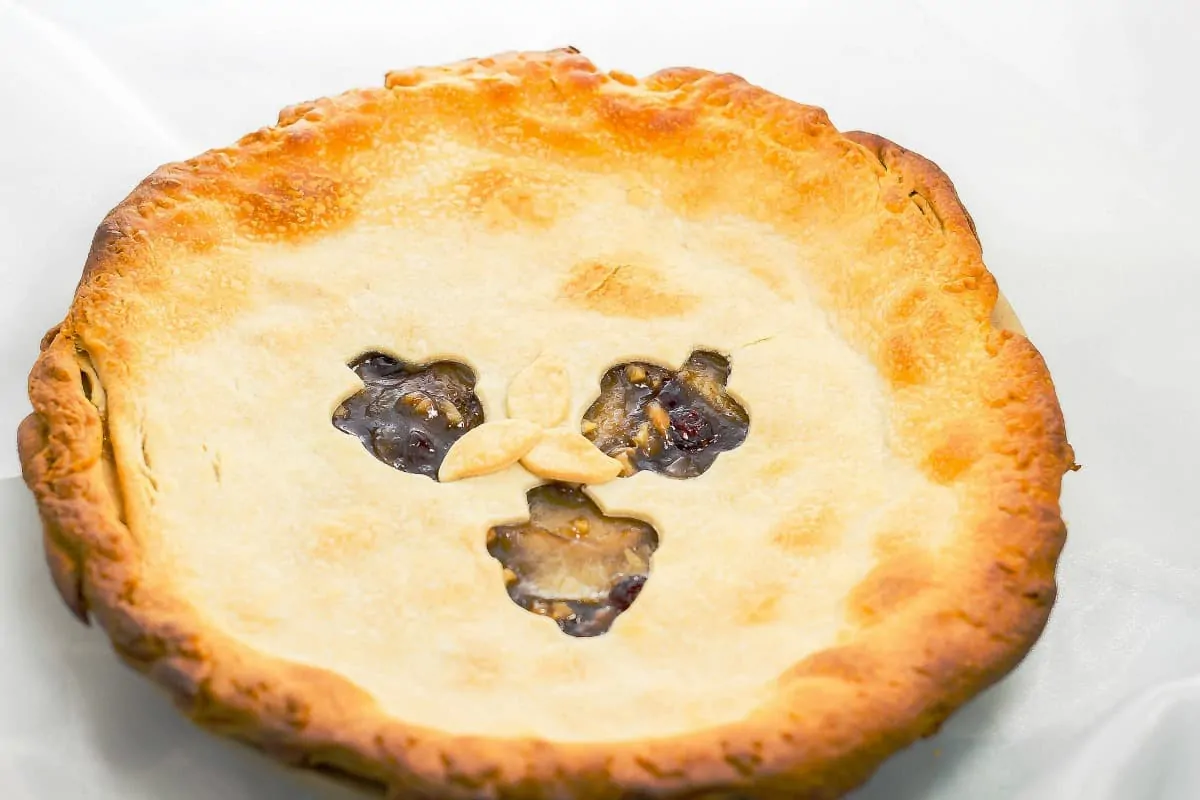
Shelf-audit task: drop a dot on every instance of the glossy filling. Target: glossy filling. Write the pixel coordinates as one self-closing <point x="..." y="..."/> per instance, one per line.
<point x="674" y="422"/>
<point x="571" y="562"/>
<point x="408" y="416"/>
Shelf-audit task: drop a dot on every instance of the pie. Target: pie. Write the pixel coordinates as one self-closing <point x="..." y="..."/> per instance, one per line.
<point x="522" y="430"/>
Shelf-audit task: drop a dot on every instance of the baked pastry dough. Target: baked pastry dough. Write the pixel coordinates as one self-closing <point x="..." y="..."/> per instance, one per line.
<point x="878" y="546"/>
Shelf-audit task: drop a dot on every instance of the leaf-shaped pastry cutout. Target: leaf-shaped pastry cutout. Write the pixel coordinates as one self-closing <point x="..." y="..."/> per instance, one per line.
<point x="489" y="448"/>
<point x="566" y="455"/>
<point x="541" y="392"/>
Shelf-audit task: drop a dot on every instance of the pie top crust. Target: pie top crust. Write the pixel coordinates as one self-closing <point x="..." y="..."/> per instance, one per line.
<point x="878" y="550"/>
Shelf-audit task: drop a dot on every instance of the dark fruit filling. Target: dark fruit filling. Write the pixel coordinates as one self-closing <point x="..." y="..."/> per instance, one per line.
<point x="407" y="415"/>
<point x="572" y="563"/>
<point x="626" y="590"/>
<point x="672" y="422"/>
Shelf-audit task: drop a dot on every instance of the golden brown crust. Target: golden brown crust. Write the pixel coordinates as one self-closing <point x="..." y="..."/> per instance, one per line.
<point x="834" y="717"/>
<point x="931" y="181"/>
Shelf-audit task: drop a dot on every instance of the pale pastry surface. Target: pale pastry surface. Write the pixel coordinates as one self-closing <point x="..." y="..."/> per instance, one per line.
<point x="884" y="538"/>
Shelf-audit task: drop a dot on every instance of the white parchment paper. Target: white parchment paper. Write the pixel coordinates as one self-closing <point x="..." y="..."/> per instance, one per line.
<point x="1067" y="127"/>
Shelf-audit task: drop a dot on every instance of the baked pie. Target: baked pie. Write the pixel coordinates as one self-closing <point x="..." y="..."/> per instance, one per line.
<point x="518" y="429"/>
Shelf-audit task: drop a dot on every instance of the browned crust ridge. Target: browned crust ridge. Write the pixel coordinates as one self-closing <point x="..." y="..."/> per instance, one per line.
<point x="835" y="717"/>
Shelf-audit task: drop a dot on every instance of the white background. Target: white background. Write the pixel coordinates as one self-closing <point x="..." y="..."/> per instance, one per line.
<point x="1069" y="128"/>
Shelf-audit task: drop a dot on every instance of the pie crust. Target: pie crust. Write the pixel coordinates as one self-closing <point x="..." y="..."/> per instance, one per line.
<point x="880" y="548"/>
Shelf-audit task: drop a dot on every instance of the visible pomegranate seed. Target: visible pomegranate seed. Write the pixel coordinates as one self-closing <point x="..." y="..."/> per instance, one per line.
<point x="690" y="430"/>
